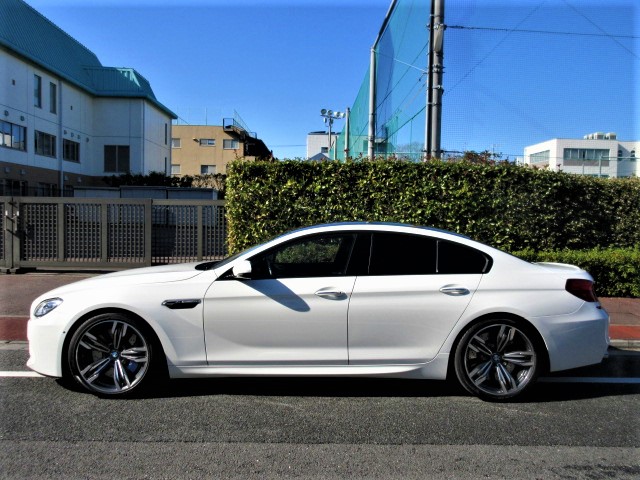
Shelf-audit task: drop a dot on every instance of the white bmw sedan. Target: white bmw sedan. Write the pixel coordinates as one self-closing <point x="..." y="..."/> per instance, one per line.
<point x="349" y="299"/>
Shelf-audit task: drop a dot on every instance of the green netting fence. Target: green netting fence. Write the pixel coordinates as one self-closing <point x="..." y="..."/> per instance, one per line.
<point x="401" y="75"/>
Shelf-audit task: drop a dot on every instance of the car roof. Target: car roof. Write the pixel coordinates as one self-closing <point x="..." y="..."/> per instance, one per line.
<point x="377" y="224"/>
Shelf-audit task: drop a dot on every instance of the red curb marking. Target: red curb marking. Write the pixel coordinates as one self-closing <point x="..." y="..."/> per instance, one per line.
<point x="624" y="332"/>
<point x="13" y="328"/>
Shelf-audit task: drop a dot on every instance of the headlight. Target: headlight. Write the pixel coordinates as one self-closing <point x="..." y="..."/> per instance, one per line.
<point x="46" y="306"/>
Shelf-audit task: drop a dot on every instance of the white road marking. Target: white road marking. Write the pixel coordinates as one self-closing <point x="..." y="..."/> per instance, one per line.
<point x="20" y="374"/>
<point x="620" y="380"/>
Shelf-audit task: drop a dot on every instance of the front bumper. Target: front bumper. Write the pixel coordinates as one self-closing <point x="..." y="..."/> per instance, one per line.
<point x="46" y="339"/>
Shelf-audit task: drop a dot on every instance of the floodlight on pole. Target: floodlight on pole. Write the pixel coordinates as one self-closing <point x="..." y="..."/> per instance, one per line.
<point x="329" y="116"/>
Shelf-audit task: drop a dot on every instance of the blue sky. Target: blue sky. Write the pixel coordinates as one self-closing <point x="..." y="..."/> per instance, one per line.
<point x="278" y="62"/>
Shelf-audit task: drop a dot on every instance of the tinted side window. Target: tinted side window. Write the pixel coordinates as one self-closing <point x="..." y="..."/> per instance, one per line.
<point x="402" y="254"/>
<point x="456" y="258"/>
<point x="324" y="255"/>
<point x="359" y="262"/>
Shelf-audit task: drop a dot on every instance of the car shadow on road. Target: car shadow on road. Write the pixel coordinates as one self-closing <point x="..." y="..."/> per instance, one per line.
<point x="542" y="392"/>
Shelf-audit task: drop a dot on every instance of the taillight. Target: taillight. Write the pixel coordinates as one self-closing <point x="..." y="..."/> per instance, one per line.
<point x="582" y="289"/>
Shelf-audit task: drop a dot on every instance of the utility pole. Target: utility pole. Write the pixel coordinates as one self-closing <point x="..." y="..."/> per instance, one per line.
<point x="434" y="81"/>
<point x="427" y="119"/>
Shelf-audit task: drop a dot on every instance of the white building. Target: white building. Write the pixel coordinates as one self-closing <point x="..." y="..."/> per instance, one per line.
<point x="65" y="119"/>
<point x="597" y="154"/>
<point x="318" y="145"/>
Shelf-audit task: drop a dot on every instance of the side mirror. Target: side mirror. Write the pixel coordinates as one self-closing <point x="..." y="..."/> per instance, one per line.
<point x="242" y="270"/>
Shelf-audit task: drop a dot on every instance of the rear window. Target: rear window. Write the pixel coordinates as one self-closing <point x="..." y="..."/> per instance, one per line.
<point x="457" y="258"/>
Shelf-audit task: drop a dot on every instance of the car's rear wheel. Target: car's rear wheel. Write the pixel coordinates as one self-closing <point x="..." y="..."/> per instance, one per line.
<point x="111" y="354"/>
<point x="498" y="359"/>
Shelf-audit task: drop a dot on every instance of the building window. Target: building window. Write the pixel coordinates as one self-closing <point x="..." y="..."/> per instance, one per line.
<point x="540" y="157"/>
<point x="71" y="150"/>
<point x="175" y="169"/>
<point x="633" y="155"/>
<point x="10" y="187"/>
<point x="324" y="149"/>
<point x="620" y="154"/>
<point x="13" y="136"/>
<point x="207" y="142"/>
<point x="45" y="144"/>
<point x="230" y="144"/>
<point x="46" y="190"/>
<point x="207" y="169"/>
<point x="166" y="133"/>
<point x="176" y="143"/>
<point x="37" y="91"/>
<point x="578" y="157"/>
<point x="116" y="158"/>
<point x="53" y="98"/>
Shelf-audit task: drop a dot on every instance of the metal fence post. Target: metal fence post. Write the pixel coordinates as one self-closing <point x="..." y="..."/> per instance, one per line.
<point x="200" y="232"/>
<point x="104" y="232"/>
<point x="61" y="231"/>
<point x="148" y="231"/>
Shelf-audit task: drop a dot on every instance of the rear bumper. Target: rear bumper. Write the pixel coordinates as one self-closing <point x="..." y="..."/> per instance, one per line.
<point x="576" y="340"/>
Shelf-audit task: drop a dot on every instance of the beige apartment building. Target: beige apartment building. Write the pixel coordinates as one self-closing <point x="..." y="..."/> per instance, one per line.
<point x="208" y="149"/>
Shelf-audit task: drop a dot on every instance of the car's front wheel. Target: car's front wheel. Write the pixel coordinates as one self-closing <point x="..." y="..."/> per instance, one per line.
<point x="111" y="354"/>
<point x="497" y="359"/>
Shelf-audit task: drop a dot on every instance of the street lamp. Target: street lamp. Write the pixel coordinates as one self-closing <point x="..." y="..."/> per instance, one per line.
<point x="329" y="116"/>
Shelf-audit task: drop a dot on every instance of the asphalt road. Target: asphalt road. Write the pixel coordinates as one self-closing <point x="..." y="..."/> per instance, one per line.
<point x="322" y="428"/>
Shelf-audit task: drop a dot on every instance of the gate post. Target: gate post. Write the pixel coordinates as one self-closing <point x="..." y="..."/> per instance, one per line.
<point x="10" y="231"/>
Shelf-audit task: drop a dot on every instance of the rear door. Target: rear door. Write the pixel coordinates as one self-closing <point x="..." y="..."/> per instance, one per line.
<point x="416" y="290"/>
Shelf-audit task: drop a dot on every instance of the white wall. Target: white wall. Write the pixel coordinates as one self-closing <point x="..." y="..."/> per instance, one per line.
<point x="315" y="142"/>
<point x="80" y="117"/>
<point x="613" y="168"/>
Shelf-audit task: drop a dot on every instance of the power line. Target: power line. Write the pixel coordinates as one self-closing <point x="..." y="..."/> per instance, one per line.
<point x="606" y="34"/>
<point x="495" y="47"/>
<point x="547" y="32"/>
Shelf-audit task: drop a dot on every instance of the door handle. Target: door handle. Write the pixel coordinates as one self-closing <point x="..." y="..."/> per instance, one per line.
<point x="455" y="291"/>
<point x="334" y="294"/>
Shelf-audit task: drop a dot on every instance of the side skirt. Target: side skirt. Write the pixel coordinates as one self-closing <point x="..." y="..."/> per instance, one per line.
<point x="436" y="369"/>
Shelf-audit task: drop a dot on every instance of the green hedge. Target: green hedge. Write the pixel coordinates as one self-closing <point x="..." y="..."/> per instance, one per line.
<point x="504" y="205"/>
<point x="615" y="270"/>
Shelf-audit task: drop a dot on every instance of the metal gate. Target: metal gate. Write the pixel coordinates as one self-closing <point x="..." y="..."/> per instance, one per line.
<point x="105" y="234"/>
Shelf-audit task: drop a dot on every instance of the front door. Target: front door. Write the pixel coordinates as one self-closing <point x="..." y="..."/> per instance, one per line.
<point x="291" y="311"/>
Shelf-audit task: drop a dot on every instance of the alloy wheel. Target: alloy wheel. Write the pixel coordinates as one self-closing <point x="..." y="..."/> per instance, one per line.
<point x="496" y="360"/>
<point x="110" y="356"/>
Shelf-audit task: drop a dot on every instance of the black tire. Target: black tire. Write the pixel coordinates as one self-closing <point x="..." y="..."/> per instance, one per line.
<point x="113" y="354"/>
<point x="498" y="359"/>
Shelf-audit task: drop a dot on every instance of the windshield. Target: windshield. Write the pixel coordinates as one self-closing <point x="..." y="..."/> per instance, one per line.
<point x="221" y="263"/>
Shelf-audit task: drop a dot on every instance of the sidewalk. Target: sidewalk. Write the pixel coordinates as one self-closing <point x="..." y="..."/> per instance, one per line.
<point x="18" y="291"/>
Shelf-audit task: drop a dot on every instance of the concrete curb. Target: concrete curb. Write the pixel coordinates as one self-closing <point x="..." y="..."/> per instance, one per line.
<point x="625" y="344"/>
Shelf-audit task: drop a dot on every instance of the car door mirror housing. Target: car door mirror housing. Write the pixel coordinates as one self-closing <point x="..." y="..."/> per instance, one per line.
<point x="242" y="270"/>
